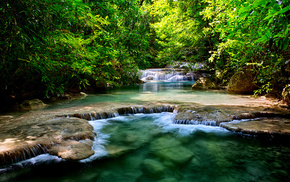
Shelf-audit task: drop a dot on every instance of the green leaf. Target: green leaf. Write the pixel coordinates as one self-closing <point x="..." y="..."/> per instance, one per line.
<point x="286" y="43"/>
<point x="284" y="10"/>
<point x="259" y="3"/>
<point x="244" y="9"/>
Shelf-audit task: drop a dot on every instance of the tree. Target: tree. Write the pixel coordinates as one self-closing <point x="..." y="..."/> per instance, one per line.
<point x="49" y="47"/>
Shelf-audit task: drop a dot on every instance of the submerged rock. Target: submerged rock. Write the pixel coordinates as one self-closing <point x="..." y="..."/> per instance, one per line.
<point x="116" y="150"/>
<point x="204" y="83"/>
<point x="171" y="149"/>
<point x="153" y="167"/>
<point x="242" y="82"/>
<point x="168" y="180"/>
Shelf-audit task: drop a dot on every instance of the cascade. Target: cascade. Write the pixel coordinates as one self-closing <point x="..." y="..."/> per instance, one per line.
<point x="122" y="111"/>
<point x="20" y="154"/>
<point x="166" y="74"/>
<point x="195" y="122"/>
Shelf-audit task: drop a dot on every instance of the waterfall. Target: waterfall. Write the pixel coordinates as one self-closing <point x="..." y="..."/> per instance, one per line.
<point x="20" y="154"/>
<point x="122" y="111"/>
<point x="169" y="74"/>
<point x="195" y="122"/>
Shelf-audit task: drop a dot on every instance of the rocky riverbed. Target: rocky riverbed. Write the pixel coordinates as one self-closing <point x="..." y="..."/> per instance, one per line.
<point x="66" y="132"/>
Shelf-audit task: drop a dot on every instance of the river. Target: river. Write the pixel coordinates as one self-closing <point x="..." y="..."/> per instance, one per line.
<point x="150" y="147"/>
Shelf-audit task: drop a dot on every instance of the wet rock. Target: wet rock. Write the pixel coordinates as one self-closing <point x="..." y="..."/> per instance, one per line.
<point x="32" y="104"/>
<point x="121" y="111"/>
<point x="23" y="139"/>
<point x="265" y="127"/>
<point x="141" y="109"/>
<point x="152" y="167"/>
<point x="72" y="150"/>
<point x="116" y="150"/>
<point x="14" y="150"/>
<point x="171" y="149"/>
<point x="286" y="95"/>
<point x="149" y="78"/>
<point x="242" y="82"/>
<point x="245" y="116"/>
<point x="204" y="83"/>
<point x="204" y="116"/>
<point x="69" y="128"/>
<point x="185" y="118"/>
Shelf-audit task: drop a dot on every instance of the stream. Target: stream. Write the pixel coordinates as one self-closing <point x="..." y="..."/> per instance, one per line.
<point x="150" y="147"/>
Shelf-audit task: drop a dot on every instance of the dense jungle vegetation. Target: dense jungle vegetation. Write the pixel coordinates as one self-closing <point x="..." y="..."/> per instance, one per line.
<point x="51" y="47"/>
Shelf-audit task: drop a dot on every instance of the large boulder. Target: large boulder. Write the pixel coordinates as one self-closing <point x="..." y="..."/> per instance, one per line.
<point x="242" y="82"/>
<point x="32" y="104"/>
<point x="25" y="137"/>
<point x="73" y="150"/>
<point x="204" y="84"/>
<point x="286" y="95"/>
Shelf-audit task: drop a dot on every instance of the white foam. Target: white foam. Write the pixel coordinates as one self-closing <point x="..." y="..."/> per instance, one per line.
<point x="40" y="159"/>
<point x="163" y="120"/>
<point x="99" y="141"/>
<point x="166" y="123"/>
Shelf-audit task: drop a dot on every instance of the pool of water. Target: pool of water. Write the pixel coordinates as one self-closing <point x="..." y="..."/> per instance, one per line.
<point x="169" y="92"/>
<point x="149" y="147"/>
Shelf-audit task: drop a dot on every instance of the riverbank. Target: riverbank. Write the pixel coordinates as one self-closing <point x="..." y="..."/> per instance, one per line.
<point x="63" y="129"/>
<point x="67" y="133"/>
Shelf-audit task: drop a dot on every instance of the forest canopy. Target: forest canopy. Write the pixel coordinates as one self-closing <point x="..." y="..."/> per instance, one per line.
<point x="50" y="47"/>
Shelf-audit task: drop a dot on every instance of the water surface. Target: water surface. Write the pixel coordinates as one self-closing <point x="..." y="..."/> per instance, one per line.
<point x="148" y="147"/>
<point x="169" y="92"/>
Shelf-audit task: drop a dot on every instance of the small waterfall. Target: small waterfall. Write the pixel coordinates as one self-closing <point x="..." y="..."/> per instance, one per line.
<point x="195" y="122"/>
<point x="169" y="74"/>
<point x="145" y="110"/>
<point x="92" y="116"/>
<point x="22" y="153"/>
<point x="122" y="111"/>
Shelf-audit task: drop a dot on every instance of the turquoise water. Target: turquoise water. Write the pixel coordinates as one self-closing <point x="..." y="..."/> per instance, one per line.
<point x="150" y="148"/>
<point x="169" y="92"/>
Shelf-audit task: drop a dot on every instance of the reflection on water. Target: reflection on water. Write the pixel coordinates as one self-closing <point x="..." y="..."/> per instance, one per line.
<point x="150" y="148"/>
<point x="161" y="92"/>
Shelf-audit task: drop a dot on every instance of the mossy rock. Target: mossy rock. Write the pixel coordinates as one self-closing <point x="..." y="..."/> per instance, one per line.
<point x="242" y="82"/>
<point x="170" y="149"/>
<point x="204" y="84"/>
<point x="32" y="104"/>
<point x="153" y="167"/>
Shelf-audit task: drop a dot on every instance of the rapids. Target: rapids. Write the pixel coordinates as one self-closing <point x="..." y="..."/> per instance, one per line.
<point x="133" y="146"/>
<point x="149" y="147"/>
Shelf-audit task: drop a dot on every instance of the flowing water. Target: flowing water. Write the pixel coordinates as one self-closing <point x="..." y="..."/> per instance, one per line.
<point x="150" y="147"/>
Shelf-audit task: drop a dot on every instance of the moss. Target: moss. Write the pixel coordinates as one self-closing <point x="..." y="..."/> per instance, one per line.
<point x="242" y="82"/>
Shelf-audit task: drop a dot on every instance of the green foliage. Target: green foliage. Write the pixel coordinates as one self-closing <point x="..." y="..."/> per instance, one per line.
<point x="179" y="30"/>
<point x="252" y="33"/>
<point x="50" y="46"/>
<point x="228" y="34"/>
